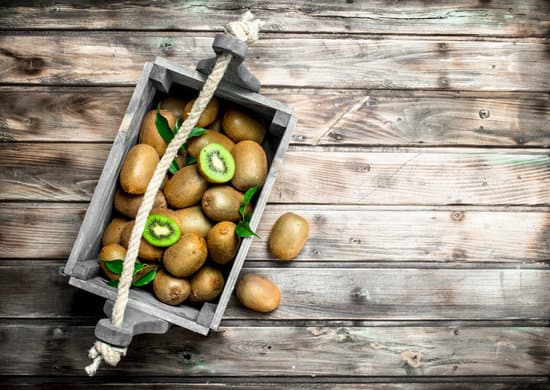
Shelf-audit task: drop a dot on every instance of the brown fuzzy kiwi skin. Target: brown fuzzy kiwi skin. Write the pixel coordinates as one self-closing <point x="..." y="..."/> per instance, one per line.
<point x="113" y="231"/>
<point x="128" y="205"/>
<point x="197" y="143"/>
<point x="185" y="188"/>
<point x="146" y="251"/>
<point x="148" y="133"/>
<point x="288" y="236"/>
<point x="174" y="105"/>
<point x="108" y="253"/>
<point x="240" y="126"/>
<point x="221" y="203"/>
<point x="209" y="114"/>
<point x="169" y="289"/>
<point x="258" y="293"/>
<point x="216" y="125"/>
<point x="138" y="168"/>
<point x="222" y="242"/>
<point x="250" y="165"/>
<point x="193" y="220"/>
<point x="206" y="284"/>
<point x="185" y="257"/>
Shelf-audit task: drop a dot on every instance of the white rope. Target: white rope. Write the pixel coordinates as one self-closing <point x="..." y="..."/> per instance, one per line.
<point x="246" y="29"/>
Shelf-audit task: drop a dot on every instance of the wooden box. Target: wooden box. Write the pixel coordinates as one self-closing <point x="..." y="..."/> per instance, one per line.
<point x="157" y="80"/>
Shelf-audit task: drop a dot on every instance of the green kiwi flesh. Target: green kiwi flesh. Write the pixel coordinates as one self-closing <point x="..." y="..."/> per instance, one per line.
<point x="161" y="231"/>
<point x="216" y="164"/>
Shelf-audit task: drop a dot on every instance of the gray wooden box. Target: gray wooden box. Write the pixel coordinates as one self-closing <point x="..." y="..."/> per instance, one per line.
<point x="83" y="267"/>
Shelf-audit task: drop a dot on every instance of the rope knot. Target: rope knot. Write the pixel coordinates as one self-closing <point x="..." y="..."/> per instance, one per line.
<point x="101" y="351"/>
<point x="246" y="29"/>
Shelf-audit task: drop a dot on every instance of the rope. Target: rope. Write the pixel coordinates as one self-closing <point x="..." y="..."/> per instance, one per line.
<point x="246" y="29"/>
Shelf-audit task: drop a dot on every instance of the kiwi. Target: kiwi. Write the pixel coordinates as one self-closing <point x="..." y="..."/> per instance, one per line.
<point x="216" y="125"/>
<point x="288" y="236"/>
<point x="250" y="165"/>
<point x="148" y="133"/>
<point x="193" y="220"/>
<point x="169" y="289"/>
<point x="216" y="164"/>
<point x="111" y="252"/>
<point x="209" y="114"/>
<point x="222" y="242"/>
<point x="206" y="284"/>
<point x="221" y="203"/>
<point x="240" y="126"/>
<point x="174" y="105"/>
<point x="112" y="232"/>
<point x="258" y="293"/>
<point x="185" y="188"/>
<point x="197" y="143"/>
<point x="138" y="168"/>
<point x="128" y="205"/>
<point x="146" y="250"/>
<point x="161" y="231"/>
<point x="186" y="256"/>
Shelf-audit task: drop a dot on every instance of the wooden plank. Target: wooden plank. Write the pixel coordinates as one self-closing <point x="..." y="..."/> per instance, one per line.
<point x="59" y="349"/>
<point x="315" y="294"/>
<point x="326" y="117"/>
<point x="69" y="172"/>
<point x="337" y="233"/>
<point x="444" y="64"/>
<point x="379" y="17"/>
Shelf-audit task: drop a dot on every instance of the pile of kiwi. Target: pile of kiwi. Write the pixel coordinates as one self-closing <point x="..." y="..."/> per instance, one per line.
<point x="190" y="237"/>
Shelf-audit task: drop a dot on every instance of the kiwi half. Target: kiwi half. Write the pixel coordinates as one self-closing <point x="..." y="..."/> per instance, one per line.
<point x="161" y="231"/>
<point x="216" y="164"/>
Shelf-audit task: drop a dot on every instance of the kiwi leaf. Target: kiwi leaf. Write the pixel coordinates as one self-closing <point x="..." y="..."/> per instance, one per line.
<point x="247" y="198"/>
<point x="173" y="168"/>
<point x="112" y="283"/>
<point x="163" y="127"/>
<point x="114" y="266"/>
<point x="243" y="228"/>
<point x="146" y="279"/>
<point x="190" y="160"/>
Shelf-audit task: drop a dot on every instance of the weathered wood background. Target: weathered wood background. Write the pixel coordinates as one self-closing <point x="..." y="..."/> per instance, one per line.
<point x="421" y="161"/>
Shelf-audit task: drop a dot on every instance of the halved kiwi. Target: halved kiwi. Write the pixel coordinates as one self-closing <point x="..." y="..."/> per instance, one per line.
<point x="161" y="231"/>
<point x="216" y="164"/>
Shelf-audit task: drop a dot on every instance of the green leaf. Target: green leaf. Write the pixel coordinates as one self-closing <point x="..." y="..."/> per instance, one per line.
<point x="246" y="200"/>
<point x="243" y="230"/>
<point x="112" y="283"/>
<point x="190" y="160"/>
<point x="146" y="279"/>
<point x="114" y="266"/>
<point x="177" y="126"/>
<point x="173" y="168"/>
<point x="138" y="267"/>
<point x="163" y="127"/>
<point x="196" y="132"/>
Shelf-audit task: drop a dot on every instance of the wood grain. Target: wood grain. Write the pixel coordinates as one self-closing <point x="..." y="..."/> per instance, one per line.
<point x="443" y="64"/>
<point x="326" y="117"/>
<point x="354" y="294"/>
<point x="378" y="17"/>
<point x="337" y="233"/>
<point x="69" y="172"/>
<point x="289" y="351"/>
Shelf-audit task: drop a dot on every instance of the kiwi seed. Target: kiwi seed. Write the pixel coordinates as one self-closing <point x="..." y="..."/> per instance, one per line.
<point x="161" y="231"/>
<point x="216" y="164"/>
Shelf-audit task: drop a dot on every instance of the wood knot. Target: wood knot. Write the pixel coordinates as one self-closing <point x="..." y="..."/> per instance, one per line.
<point x="412" y="359"/>
<point x="484" y="113"/>
<point x="459" y="254"/>
<point x="457" y="216"/>
<point x="443" y="82"/>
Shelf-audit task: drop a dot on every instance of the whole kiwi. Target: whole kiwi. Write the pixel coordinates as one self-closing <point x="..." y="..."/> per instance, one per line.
<point x="221" y="203"/>
<point x="197" y="143"/>
<point x="148" y="133"/>
<point x="138" y="168"/>
<point x="240" y="126"/>
<point x="146" y="250"/>
<point x="193" y="220"/>
<point x="250" y="165"/>
<point x="216" y="125"/>
<point x="222" y="242"/>
<point x="109" y="253"/>
<point x="185" y="257"/>
<point x="288" y="236"/>
<point x="258" y="293"/>
<point x="113" y="231"/>
<point x="169" y="289"/>
<point x="206" y="284"/>
<point x="128" y="205"/>
<point x="209" y="114"/>
<point x="185" y="188"/>
<point x="174" y="105"/>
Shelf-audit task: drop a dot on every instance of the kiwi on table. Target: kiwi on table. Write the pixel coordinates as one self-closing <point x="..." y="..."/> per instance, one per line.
<point x="185" y="188"/>
<point x="113" y="231"/>
<point x="111" y="252"/>
<point x="221" y="203"/>
<point x="216" y="164"/>
<point x="258" y="293"/>
<point x="169" y="289"/>
<point x="138" y="168"/>
<point x="174" y="105"/>
<point x="250" y="165"/>
<point x="128" y="205"/>
<point x="209" y="114"/>
<point x="240" y="126"/>
<point x="193" y="220"/>
<point x="288" y="236"/>
<point x="222" y="242"/>
<point x="197" y="143"/>
<point x="186" y="256"/>
<point x="206" y="284"/>
<point x="146" y="250"/>
<point x="161" y="231"/>
<point x="148" y="133"/>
